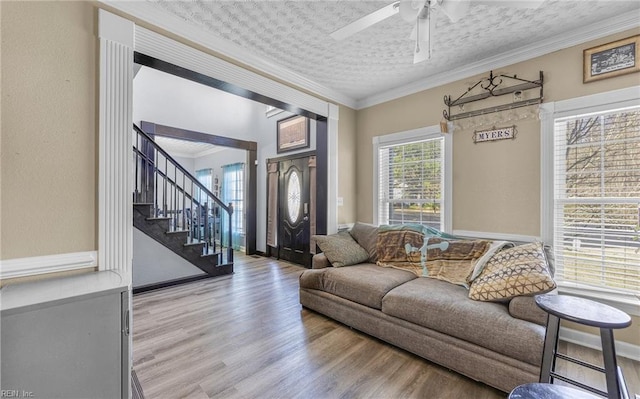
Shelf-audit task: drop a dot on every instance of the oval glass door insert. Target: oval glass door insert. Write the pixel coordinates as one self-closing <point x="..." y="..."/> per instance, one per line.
<point x="293" y="196"/>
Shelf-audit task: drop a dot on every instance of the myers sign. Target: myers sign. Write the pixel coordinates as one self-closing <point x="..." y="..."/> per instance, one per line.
<point x="494" y="134"/>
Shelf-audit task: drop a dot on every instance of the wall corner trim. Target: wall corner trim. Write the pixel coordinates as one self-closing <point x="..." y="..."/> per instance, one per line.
<point x="32" y="266"/>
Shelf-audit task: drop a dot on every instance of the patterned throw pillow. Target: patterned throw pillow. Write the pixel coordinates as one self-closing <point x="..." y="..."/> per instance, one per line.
<point x="341" y="249"/>
<point x="521" y="270"/>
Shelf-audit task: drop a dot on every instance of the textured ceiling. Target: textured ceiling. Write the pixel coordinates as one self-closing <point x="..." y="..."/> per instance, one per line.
<point x="295" y="35"/>
<point x="187" y="149"/>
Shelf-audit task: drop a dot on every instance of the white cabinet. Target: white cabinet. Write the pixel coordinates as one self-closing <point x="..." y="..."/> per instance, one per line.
<point x="66" y="338"/>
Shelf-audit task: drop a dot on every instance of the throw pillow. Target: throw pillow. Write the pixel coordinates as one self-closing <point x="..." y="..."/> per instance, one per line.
<point x="367" y="236"/>
<point x="496" y="246"/>
<point x="341" y="249"/>
<point x="521" y="270"/>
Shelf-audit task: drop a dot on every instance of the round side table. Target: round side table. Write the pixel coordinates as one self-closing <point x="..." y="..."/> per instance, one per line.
<point x="590" y="313"/>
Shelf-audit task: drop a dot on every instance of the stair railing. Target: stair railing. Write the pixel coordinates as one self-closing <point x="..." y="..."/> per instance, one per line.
<point x="176" y="195"/>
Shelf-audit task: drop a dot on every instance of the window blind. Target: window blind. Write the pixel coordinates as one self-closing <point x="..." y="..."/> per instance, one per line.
<point x="410" y="183"/>
<point x="597" y="199"/>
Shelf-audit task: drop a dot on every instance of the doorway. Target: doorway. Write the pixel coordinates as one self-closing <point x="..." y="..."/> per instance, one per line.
<point x="293" y="208"/>
<point x="292" y="213"/>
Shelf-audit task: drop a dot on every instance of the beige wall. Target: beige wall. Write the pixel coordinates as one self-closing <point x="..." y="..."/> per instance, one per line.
<point x="48" y="152"/>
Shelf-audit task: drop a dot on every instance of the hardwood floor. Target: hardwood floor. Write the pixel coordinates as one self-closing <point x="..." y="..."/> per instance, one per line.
<point x="246" y="336"/>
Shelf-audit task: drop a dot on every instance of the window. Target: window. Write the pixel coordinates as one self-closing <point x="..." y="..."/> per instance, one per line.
<point x="595" y="205"/>
<point x="411" y="183"/>
<point x="204" y="177"/>
<point x="233" y="192"/>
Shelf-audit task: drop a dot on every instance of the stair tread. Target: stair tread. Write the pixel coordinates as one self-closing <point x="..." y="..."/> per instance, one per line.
<point x="177" y="231"/>
<point x="143" y="203"/>
<point x="159" y="218"/>
<point x="211" y="254"/>
<point x="189" y="244"/>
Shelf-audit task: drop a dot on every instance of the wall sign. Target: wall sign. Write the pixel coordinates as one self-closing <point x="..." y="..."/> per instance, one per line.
<point x="494" y="134"/>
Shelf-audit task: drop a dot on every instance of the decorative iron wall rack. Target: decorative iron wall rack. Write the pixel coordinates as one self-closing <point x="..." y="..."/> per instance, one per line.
<point x="493" y="86"/>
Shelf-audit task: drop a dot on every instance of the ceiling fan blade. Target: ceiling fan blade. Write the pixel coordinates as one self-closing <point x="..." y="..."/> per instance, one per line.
<point x="511" y="3"/>
<point x="455" y="9"/>
<point x="366" y="21"/>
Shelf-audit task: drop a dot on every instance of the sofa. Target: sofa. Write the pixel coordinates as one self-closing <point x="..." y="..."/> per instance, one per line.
<point x="499" y="343"/>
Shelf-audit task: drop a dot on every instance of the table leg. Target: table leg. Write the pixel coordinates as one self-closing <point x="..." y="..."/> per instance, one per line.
<point x="550" y="348"/>
<point x="614" y="387"/>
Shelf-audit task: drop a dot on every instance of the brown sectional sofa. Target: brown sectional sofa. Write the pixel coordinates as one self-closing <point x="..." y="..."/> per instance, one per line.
<point x="499" y="344"/>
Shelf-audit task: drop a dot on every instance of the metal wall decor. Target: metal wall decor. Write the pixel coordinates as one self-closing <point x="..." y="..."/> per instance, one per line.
<point x="500" y="133"/>
<point x="494" y="86"/>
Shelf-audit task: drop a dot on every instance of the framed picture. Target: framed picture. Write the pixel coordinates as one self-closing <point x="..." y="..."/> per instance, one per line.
<point x="611" y="59"/>
<point x="293" y="133"/>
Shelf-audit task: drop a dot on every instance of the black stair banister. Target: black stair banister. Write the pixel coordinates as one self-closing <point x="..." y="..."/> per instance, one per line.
<point x="175" y="197"/>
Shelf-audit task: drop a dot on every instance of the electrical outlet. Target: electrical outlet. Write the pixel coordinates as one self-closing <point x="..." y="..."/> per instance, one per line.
<point x="340" y="201"/>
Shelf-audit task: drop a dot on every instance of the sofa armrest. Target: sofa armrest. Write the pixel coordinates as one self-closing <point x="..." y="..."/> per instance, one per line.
<point x="319" y="261"/>
<point x="525" y="308"/>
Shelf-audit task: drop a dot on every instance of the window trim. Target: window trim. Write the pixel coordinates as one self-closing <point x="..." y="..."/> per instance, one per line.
<point x="404" y="137"/>
<point x="622" y="98"/>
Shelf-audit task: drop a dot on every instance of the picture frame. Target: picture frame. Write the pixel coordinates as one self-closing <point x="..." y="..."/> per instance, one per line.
<point x="292" y="133"/>
<point x="611" y="59"/>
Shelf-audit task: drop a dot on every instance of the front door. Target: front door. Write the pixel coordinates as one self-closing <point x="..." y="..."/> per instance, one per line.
<point x="293" y="229"/>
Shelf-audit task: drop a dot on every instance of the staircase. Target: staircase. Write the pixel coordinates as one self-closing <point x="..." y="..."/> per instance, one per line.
<point x="175" y="209"/>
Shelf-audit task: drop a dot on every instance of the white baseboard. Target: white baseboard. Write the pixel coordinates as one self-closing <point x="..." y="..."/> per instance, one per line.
<point x="496" y="236"/>
<point x="23" y="267"/>
<point x="623" y="349"/>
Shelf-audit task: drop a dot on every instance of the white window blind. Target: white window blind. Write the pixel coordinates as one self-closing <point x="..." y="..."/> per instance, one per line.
<point x="597" y="199"/>
<point x="410" y="183"/>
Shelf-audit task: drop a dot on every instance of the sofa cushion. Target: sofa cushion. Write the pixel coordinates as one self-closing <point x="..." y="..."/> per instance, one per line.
<point x="521" y="270"/>
<point x="341" y="249"/>
<point x="367" y="236"/>
<point x="365" y="284"/>
<point x="446" y="308"/>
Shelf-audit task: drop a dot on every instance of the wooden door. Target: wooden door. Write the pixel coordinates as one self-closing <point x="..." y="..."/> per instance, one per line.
<point x="293" y="207"/>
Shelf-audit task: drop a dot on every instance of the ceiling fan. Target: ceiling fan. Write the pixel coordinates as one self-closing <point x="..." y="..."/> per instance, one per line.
<point x="419" y="13"/>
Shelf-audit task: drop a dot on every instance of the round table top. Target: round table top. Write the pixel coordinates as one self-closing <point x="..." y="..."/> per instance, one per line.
<point x="548" y="391"/>
<point x="583" y="311"/>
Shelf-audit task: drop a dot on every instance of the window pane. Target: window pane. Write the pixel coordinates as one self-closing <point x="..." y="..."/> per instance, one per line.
<point x="410" y="183"/>
<point x="597" y="209"/>
<point x="293" y="197"/>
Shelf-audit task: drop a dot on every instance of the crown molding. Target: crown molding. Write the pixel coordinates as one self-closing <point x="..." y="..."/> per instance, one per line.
<point x="591" y="32"/>
<point x="148" y="13"/>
